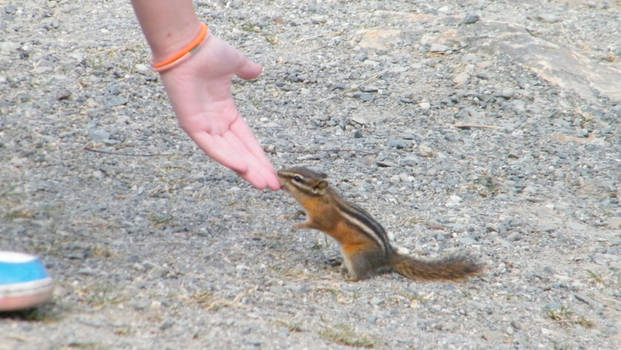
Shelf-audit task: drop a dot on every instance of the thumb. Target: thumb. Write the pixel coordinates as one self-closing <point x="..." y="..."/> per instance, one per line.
<point x="248" y="69"/>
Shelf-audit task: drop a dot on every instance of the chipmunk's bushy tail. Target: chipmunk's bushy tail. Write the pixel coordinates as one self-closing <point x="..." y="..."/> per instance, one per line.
<point x="452" y="268"/>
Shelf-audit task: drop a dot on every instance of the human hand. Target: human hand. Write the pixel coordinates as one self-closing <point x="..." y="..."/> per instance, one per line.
<point x="200" y="92"/>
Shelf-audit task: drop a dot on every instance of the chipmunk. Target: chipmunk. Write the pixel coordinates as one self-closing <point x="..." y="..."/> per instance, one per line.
<point x="364" y="243"/>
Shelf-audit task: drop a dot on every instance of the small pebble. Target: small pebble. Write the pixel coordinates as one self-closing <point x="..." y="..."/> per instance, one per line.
<point x="10" y="9"/>
<point x="506" y="93"/>
<point x="471" y="19"/>
<point x="425" y="151"/>
<point x="140" y="304"/>
<point x="99" y="135"/>
<point x="166" y="325"/>
<point x="369" y="88"/>
<point x="439" y="48"/>
<point x="142" y="68"/>
<point x="548" y="18"/>
<point x="397" y="143"/>
<point x="482" y="76"/>
<point x="425" y="106"/>
<point x="453" y="201"/>
<point x="63" y="94"/>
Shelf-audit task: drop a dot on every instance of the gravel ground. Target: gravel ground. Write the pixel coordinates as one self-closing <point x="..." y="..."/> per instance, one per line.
<point x="474" y="126"/>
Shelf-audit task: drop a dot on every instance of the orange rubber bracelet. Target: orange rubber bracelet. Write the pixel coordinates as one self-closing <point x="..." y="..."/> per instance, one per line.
<point x="182" y="54"/>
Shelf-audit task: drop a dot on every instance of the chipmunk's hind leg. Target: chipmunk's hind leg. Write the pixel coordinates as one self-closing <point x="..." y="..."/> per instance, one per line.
<point x="362" y="264"/>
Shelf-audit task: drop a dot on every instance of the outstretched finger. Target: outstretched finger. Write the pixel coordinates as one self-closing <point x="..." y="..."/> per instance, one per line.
<point x="245" y="134"/>
<point x="227" y="150"/>
<point x="218" y="149"/>
<point x="256" y="172"/>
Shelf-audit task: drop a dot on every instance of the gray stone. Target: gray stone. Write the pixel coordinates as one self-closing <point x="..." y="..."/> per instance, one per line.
<point x="409" y="161"/>
<point x="369" y="88"/>
<point x="99" y="135"/>
<point x="7" y="46"/>
<point x="439" y="48"/>
<point x="506" y="93"/>
<point x="425" y="151"/>
<point x="617" y="110"/>
<point x="140" y="304"/>
<point x="548" y="18"/>
<point x="398" y="143"/>
<point x="115" y="101"/>
<point x="63" y="94"/>
<point x="424" y="105"/>
<point x="471" y="19"/>
<point x="10" y="9"/>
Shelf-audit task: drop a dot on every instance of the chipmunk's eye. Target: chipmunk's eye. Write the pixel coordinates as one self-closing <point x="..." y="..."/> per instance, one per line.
<point x="297" y="178"/>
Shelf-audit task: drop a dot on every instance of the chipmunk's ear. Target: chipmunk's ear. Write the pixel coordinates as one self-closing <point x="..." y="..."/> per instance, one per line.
<point x="320" y="186"/>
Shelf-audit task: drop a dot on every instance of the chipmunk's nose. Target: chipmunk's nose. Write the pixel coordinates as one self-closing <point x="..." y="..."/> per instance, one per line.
<point x="282" y="180"/>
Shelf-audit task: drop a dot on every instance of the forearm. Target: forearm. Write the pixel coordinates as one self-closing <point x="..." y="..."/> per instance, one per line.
<point x="168" y="25"/>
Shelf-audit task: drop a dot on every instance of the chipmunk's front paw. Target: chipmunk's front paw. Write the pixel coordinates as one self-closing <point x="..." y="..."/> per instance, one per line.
<point x="302" y="225"/>
<point x="334" y="262"/>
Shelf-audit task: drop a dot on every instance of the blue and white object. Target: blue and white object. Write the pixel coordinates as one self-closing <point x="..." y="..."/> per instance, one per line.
<point x="24" y="282"/>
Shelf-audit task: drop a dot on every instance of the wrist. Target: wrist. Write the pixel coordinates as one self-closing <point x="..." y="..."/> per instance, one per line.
<point x="182" y="54"/>
<point x="167" y="25"/>
<point x="174" y="40"/>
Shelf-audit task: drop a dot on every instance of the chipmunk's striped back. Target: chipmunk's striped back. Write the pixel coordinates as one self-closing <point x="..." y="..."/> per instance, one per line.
<point x="364" y="222"/>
